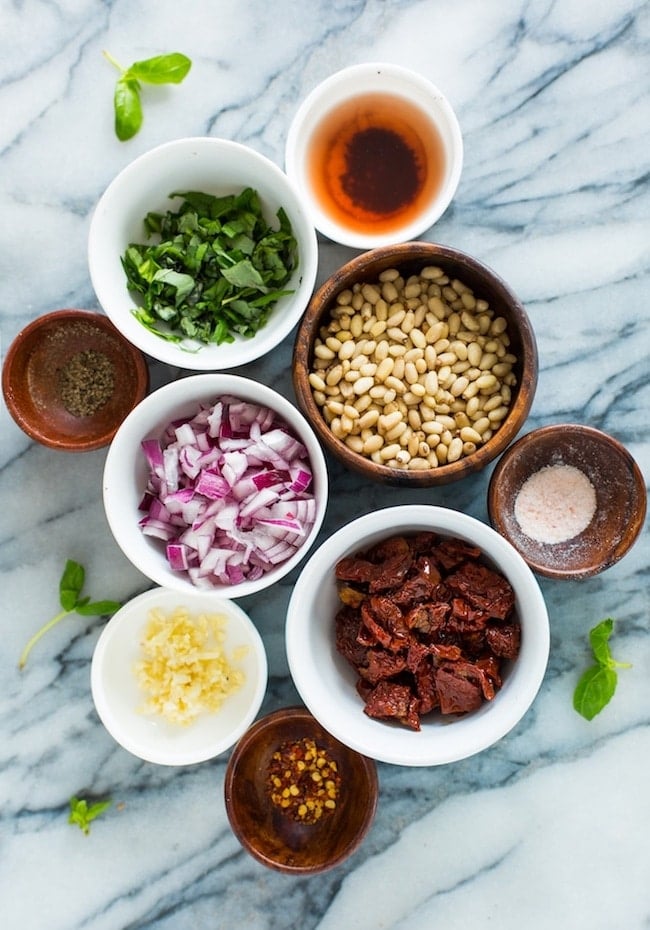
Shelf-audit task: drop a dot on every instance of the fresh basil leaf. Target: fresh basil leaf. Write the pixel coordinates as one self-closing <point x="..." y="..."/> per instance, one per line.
<point x="594" y="691"/>
<point x="82" y="815"/>
<point x="71" y="583"/>
<point x="128" y="108"/>
<point x="162" y="69"/>
<point x="98" y="608"/>
<point x="599" y="640"/>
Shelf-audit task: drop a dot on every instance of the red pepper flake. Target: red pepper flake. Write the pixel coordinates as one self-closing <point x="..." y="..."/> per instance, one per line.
<point x="303" y="782"/>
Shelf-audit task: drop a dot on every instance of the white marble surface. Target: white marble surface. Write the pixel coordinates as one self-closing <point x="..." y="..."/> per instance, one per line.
<point x="549" y="829"/>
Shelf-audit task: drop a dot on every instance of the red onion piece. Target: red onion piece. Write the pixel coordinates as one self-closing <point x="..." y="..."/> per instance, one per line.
<point x="229" y="492"/>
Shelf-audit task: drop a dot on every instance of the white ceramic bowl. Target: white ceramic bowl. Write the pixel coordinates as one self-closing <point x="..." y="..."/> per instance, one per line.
<point x="419" y="104"/>
<point x="326" y="682"/>
<point x="118" y="697"/>
<point x="214" y="166"/>
<point x="126" y="470"/>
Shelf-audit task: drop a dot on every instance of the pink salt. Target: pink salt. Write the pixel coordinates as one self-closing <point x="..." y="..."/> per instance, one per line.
<point x="555" y="504"/>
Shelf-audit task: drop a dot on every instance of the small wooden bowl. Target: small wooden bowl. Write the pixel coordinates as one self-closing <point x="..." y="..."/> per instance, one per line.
<point x="32" y="371"/>
<point x="410" y="258"/>
<point x="621" y="499"/>
<point x="270" y="835"/>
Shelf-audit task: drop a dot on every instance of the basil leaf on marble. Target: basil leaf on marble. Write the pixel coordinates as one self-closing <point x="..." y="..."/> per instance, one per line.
<point x="127" y="103"/>
<point x="597" y="685"/>
<point x="162" y="69"/>
<point x="71" y="583"/>
<point x="70" y="587"/>
<point x="594" y="690"/>
<point x="83" y="814"/>
<point x="128" y="109"/>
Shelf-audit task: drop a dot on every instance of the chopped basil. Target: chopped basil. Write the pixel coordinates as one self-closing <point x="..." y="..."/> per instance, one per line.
<point x="216" y="270"/>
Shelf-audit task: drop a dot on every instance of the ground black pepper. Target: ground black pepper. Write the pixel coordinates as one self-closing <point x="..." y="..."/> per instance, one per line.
<point x="86" y="382"/>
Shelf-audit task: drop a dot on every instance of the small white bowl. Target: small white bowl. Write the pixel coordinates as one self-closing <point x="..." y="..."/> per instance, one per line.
<point x="417" y="103"/>
<point x="214" y="166"/>
<point x="326" y="682"/>
<point x="118" y="697"/>
<point x="126" y="471"/>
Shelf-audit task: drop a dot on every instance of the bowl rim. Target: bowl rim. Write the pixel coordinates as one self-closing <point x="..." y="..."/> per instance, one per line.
<point x="268" y="722"/>
<point x="528" y="440"/>
<point x="149" y="417"/>
<point x="172" y="353"/>
<point x="400" y="254"/>
<point x="158" y="596"/>
<point x="342" y="83"/>
<point x="464" y="737"/>
<point x="63" y="315"/>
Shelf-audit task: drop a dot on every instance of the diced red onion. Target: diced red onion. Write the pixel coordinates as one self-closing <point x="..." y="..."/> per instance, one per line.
<point x="228" y="492"/>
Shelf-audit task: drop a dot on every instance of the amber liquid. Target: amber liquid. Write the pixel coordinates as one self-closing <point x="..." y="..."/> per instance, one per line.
<point x="375" y="162"/>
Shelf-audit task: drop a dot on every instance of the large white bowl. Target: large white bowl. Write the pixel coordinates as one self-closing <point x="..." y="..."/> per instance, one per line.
<point x="118" y="697"/>
<point x="376" y="78"/>
<point x="126" y="471"/>
<point x="214" y="166"/>
<point x="326" y="682"/>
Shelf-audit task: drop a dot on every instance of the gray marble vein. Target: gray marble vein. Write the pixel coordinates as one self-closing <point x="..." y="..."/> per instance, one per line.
<point x="548" y="828"/>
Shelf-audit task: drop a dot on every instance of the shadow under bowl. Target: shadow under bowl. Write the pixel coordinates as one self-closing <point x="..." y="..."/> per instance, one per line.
<point x="621" y="499"/>
<point x="270" y="835"/>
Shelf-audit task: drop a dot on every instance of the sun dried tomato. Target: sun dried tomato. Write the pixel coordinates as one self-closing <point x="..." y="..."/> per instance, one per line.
<point x="426" y="625"/>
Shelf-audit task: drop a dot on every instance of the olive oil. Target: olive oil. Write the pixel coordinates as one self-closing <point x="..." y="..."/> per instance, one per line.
<point x="375" y="162"/>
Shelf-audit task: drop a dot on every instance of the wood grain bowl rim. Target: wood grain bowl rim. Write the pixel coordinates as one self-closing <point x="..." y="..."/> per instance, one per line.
<point x="97" y="431"/>
<point x="415" y="254"/>
<point x="498" y="506"/>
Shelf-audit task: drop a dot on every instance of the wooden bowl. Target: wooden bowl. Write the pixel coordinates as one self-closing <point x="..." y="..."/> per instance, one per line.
<point x="269" y="834"/>
<point x="410" y="258"/>
<point x="58" y="408"/>
<point x="620" y="496"/>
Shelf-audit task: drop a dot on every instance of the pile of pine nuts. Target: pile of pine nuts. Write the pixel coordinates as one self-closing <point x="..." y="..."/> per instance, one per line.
<point x="414" y="373"/>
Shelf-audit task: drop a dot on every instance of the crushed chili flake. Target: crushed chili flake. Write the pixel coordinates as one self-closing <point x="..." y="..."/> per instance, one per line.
<point x="303" y="781"/>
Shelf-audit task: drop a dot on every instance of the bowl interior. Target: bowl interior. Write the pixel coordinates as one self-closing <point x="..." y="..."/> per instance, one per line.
<point x="118" y="697"/>
<point x="271" y="836"/>
<point x="410" y="258"/>
<point x="212" y="166"/>
<point x="410" y="91"/>
<point x="620" y="498"/>
<point x="126" y="470"/>
<point x="326" y="682"/>
<point x="32" y="375"/>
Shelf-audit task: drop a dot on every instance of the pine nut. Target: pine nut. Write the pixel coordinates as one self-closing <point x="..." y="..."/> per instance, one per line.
<point x="363" y="385"/>
<point x="368" y="419"/>
<point x="468" y="434"/>
<point x="373" y="444"/>
<point x="413" y="373"/>
<point x="355" y="443"/>
<point x="316" y="382"/>
<point x="389" y="452"/>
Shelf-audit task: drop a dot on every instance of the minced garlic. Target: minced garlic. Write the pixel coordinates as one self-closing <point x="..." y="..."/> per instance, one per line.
<point x="185" y="670"/>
